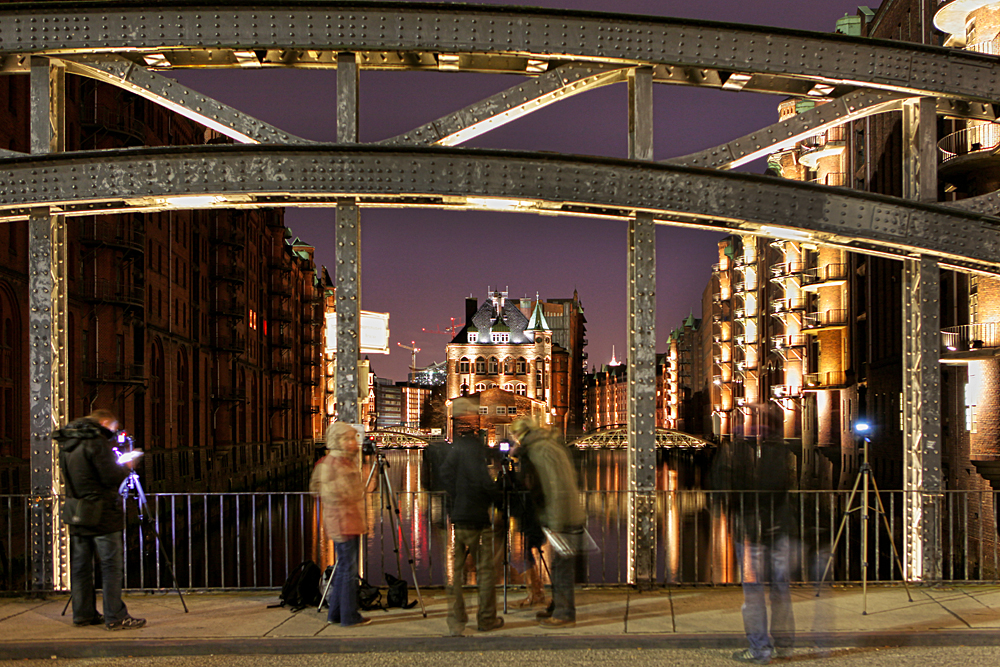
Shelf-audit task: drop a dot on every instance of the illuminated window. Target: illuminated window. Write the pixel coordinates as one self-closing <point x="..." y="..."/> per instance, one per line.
<point x="500" y="337"/>
<point x="493" y="365"/>
<point x="463" y="365"/>
<point x="508" y="387"/>
<point x="521" y="390"/>
<point x="473" y="336"/>
<point x="521" y="366"/>
<point x="484" y="410"/>
<point x="481" y="366"/>
<point x="480" y="386"/>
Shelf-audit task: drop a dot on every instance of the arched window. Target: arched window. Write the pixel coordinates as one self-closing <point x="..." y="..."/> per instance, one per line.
<point x="463" y="365"/>
<point x="508" y="366"/>
<point x="522" y="366"/>
<point x="521" y="389"/>
<point x="508" y="387"/>
<point x="493" y="365"/>
<point x="480" y="366"/>
<point x="480" y="386"/>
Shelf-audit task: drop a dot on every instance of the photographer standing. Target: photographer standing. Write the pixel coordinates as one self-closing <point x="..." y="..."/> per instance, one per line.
<point x="336" y="479"/>
<point x="91" y="473"/>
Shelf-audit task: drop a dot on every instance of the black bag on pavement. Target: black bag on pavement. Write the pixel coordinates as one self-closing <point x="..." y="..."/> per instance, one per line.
<point x="301" y="588"/>
<point x="324" y="583"/>
<point x="369" y="597"/>
<point x="398" y="595"/>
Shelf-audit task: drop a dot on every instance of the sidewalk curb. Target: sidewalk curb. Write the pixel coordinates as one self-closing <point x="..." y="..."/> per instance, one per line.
<point x="304" y="646"/>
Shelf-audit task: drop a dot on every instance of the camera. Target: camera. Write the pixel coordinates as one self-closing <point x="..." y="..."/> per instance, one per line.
<point x="368" y="445"/>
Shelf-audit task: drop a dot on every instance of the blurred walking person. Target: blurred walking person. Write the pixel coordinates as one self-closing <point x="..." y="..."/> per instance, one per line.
<point x="547" y="472"/>
<point x="763" y="524"/>
<point x="466" y="478"/>
<point x="337" y="480"/>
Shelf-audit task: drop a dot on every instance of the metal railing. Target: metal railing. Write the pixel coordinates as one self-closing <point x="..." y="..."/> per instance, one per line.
<point x="221" y="541"/>
<point x="971" y="337"/>
<point x="975" y="139"/>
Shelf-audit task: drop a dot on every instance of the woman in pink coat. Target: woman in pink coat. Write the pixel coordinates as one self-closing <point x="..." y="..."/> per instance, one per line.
<point x="337" y="480"/>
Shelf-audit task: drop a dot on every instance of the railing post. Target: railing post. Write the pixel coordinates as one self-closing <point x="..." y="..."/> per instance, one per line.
<point x="642" y="349"/>
<point x="348" y="271"/>
<point x="921" y="419"/>
<point x="47" y="315"/>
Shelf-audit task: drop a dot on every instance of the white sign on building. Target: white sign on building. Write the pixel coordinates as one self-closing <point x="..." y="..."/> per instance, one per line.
<point x="374" y="333"/>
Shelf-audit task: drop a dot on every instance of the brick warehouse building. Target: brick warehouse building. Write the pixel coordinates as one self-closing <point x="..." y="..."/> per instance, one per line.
<point x="200" y="329"/>
<point x="509" y="344"/>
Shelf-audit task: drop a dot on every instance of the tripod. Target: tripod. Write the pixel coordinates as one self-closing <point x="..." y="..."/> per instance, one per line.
<point x="385" y="490"/>
<point x="865" y="478"/>
<point x="132" y="487"/>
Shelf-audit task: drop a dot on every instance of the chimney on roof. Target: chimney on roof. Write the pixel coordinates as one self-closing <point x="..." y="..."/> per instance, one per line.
<point x="471" y="306"/>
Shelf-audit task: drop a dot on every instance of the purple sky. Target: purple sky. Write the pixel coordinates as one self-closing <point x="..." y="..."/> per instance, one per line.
<point x="419" y="265"/>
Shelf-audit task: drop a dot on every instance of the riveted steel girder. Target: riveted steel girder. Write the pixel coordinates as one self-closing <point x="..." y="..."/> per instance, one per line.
<point x="788" y="132"/>
<point x="158" y="179"/>
<point x="166" y="92"/>
<point x="921" y="419"/>
<point x="348" y="284"/>
<point x="511" y="104"/>
<point x="449" y="37"/>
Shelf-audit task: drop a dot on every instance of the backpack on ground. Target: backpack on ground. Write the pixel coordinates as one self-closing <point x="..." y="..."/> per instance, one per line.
<point x="369" y="597"/>
<point x="301" y="588"/>
<point x="398" y="595"/>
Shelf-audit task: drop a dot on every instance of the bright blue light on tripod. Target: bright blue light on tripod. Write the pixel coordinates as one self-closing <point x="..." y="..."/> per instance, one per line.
<point x="862" y="427"/>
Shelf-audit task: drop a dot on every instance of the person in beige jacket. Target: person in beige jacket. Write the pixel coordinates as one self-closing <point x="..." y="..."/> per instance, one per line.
<point x="336" y="479"/>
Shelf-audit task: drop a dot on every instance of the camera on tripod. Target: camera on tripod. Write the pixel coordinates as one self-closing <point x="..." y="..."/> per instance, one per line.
<point x="368" y="446"/>
<point x="125" y="450"/>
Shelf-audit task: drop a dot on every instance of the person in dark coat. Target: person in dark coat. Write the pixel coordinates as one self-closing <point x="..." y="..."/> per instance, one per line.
<point x="91" y="471"/>
<point x="763" y="523"/>
<point x="466" y="478"/>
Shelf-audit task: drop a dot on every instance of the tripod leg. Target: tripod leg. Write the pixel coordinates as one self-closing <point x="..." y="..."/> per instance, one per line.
<point x="840" y="530"/>
<point x="143" y="516"/>
<point x="395" y="519"/>
<point x="326" y="589"/>
<point x="892" y="541"/>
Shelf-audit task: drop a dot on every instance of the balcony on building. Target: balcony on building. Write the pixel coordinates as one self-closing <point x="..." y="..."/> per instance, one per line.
<point x="228" y="341"/>
<point x="824" y="380"/>
<point x="281" y="339"/>
<point x="743" y="261"/>
<point x="227" y="307"/>
<point x="970" y="342"/>
<point x="224" y="394"/>
<point x="976" y="139"/>
<point x="786" y="391"/>
<point x="789" y="342"/>
<point x="834" y="318"/>
<point x="827" y="275"/>
<point x="228" y="235"/>
<point x="282" y="367"/>
<point x="281" y="312"/>
<point x="113" y="372"/>
<point x="831" y="143"/>
<point x="789" y="305"/>
<point x="280" y="404"/>
<point x="783" y="270"/>
<point x="280" y="285"/>
<point x="837" y="179"/>
<point x="119" y="119"/>
<point x="232" y="273"/>
<point x="120" y="233"/>
<point x="112" y="292"/>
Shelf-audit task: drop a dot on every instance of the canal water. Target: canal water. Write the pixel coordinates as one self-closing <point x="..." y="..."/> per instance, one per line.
<point x="254" y="540"/>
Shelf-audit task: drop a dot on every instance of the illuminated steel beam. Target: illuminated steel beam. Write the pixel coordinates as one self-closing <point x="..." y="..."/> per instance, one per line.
<point x="790" y="131"/>
<point x="168" y="93"/>
<point x="235" y="176"/>
<point x="511" y="104"/>
<point x="414" y="36"/>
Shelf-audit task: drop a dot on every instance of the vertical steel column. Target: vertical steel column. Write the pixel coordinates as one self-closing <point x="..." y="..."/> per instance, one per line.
<point x="921" y="418"/>
<point x="642" y="349"/>
<point x="921" y="346"/>
<point x="348" y="271"/>
<point x="920" y="149"/>
<point x="47" y="315"/>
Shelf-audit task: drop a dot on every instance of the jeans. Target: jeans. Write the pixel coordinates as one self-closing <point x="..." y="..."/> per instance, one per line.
<point x="479" y="543"/>
<point x="763" y="564"/>
<point x="563" y="576"/>
<point x="108" y="549"/>
<point x="343" y="595"/>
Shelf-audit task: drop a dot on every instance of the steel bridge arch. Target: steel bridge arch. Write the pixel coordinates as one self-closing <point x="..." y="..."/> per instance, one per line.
<point x="617" y="437"/>
<point x="562" y="53"/>
<point x="399" y="438"/>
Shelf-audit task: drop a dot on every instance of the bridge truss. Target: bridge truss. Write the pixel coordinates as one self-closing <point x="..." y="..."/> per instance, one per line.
<point x="559" y="54"/>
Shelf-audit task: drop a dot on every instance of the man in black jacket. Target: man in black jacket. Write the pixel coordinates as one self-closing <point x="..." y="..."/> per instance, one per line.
<point x="467" y="480"/>
<point x="91" y="471"/>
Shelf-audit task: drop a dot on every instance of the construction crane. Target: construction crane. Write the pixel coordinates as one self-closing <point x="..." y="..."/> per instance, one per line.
<point x="447" y="330"/>
<point x="413" y="354"/>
